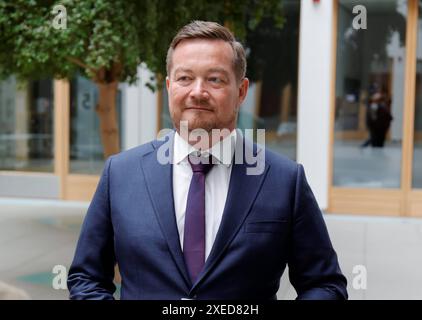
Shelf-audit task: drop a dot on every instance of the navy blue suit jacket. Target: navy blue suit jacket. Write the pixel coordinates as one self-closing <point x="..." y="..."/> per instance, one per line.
<point x="269" y="221"/>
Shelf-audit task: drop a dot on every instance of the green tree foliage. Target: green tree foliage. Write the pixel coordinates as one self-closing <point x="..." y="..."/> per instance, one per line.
<point x="104" y="34"/>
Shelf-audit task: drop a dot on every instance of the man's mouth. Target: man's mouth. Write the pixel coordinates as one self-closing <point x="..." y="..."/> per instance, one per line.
<point x="198" y="108"/>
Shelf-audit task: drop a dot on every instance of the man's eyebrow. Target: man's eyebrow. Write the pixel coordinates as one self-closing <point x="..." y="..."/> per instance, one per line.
<point x="182" y="69"/>
<point x="221" y="70"/>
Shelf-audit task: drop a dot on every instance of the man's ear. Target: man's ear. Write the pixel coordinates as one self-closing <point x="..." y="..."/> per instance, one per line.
<point x="243" y="90"/>
<point x="167" y="83"/>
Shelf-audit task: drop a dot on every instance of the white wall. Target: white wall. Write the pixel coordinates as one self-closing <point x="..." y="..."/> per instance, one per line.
<point x="315" y="63"/>
<point x="139" y="111"/>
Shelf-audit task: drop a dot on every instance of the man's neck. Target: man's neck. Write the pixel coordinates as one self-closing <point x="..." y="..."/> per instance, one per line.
<point x="203" y="140"/>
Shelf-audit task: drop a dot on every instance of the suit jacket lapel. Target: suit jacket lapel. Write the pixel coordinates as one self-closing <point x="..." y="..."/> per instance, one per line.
<point x="242" y="192"/>
<point x="159" y="184"/>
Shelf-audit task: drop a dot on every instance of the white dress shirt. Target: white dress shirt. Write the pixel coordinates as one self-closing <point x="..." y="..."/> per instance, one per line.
<point x="216" y="184"/>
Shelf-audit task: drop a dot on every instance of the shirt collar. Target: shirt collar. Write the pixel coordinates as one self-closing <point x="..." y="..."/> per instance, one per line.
<point x="222" y="151"/>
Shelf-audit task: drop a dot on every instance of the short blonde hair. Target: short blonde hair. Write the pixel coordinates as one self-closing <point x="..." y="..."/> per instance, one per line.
<point x="210" y="30"/>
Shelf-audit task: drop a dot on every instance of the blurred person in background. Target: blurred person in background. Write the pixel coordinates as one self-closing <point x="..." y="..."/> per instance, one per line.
<point x="378" y="119"/>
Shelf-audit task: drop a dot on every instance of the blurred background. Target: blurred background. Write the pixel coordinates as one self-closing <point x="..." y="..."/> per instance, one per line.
<point x="336" y="84"/>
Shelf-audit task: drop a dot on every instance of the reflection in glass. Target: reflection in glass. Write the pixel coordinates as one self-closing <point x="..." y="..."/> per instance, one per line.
<point x="86" y="150"/>
<point x="271" y="103"/>
<point x="26" y="125"/>
<point x="369" y="95"/>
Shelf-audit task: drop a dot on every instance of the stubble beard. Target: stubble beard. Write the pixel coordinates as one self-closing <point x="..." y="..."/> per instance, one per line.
<point x="206" y="124"/>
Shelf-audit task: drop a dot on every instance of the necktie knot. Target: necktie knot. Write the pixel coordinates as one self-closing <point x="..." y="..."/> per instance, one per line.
<point x="201" y="165"/>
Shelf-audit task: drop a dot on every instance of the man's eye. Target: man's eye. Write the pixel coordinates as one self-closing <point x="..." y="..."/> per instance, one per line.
<point x="183" y="78"/>
<point x="215" y="80"/>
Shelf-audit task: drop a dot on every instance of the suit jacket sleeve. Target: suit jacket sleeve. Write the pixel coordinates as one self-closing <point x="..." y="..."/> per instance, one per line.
<point x="92" y="271"/>
<point x="313" y="266"/>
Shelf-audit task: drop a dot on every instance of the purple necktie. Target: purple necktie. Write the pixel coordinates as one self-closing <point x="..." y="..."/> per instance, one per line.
<point x="194" y="233"/>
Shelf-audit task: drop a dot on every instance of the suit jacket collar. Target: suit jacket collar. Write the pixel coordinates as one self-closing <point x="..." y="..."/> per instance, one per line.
<point x="157" y="169"/>
<point x="243" y="189"/>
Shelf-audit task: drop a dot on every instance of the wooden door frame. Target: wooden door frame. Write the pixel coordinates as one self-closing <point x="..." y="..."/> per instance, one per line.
<point x="80" y="187"/>
<point x="61" y="132"/>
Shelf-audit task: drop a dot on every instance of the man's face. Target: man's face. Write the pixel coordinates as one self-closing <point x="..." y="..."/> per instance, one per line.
<point x="202" y="86"/>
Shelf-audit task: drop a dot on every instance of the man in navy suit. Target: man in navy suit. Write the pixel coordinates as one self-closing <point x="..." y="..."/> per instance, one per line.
<point x="188" y="216"/>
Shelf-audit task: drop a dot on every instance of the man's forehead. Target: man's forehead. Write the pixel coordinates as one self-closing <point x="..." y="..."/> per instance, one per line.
<point x="203" y="48"/>
<point x="212" y="54"/>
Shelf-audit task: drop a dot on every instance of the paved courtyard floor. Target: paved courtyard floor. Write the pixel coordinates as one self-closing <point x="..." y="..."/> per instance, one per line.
<point x="36" y="235"/>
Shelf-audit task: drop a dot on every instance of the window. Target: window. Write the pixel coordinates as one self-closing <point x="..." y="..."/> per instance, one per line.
<point x="26" y="125"/>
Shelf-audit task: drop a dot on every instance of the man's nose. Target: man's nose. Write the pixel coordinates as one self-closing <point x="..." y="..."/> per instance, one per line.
<point x="199" y="90"/>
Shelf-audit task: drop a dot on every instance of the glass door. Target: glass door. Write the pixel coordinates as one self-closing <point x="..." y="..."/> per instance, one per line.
<point x="375" y="114"/>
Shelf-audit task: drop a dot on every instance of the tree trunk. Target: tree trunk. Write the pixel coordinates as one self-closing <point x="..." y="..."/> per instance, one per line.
<point x="106" y="110"/>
